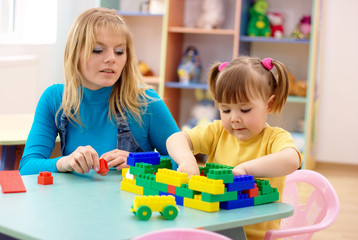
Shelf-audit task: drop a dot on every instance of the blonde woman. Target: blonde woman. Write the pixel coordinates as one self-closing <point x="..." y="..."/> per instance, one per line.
<point x="103" y="110"/>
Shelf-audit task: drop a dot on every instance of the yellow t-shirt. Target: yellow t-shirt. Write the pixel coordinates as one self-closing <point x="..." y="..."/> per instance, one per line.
<point x="224" y="148"/>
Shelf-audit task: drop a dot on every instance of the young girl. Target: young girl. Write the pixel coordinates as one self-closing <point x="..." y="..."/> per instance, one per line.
<point x="245" y="91"/>
<point x="103" y="108"/>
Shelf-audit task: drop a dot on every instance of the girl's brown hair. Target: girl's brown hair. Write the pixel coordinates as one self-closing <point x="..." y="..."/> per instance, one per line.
<point x="245" y="78"/>
<point x="128" y="93"/>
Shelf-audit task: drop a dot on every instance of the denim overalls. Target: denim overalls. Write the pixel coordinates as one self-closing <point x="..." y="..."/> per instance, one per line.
<point x="125" y="139"/>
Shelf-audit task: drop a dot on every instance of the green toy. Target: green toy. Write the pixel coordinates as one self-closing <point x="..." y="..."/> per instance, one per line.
<point x="259" y="24"/>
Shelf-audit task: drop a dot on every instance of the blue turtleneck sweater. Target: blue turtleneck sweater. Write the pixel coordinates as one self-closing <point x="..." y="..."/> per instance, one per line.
<point x="97" y="131"/>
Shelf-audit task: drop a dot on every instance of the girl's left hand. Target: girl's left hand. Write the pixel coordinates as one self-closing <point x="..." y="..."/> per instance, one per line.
<point x="116" y="158"/>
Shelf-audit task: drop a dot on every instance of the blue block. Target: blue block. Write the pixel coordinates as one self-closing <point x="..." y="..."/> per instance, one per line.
<point x="242" y="201"/>
<point x="242" y="182"/>
<point x="146" y="157"/>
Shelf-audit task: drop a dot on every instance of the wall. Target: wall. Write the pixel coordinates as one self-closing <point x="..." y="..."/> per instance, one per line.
<point x="337" y="128"/>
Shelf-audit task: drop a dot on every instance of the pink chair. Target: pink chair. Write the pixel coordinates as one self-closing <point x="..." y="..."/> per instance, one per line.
<point x="182" y="234"/>
<point x="318" y="213"/>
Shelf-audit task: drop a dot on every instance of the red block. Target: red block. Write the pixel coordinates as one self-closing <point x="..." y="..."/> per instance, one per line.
<point x="11" y="182"/>
<point x="103" y="166"/>
<point x="45" y="178"/>
<point x="254" y="192"/>
<point x="171" y="189"/>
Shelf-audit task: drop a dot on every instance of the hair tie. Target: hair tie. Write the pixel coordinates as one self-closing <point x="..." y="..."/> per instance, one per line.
<point x="267" y="62"/>
<point x="222" y="66"/>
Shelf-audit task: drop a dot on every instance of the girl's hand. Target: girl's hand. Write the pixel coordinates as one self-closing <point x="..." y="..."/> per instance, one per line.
<point x="81" y="160"/>
<point x="116" y="158"/>
<point x="239" y="170"/>
<point x="190" y="168"/>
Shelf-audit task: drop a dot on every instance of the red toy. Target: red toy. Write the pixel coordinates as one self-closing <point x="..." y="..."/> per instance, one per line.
<point x="276" y="21"/>
<point x="11" y="182"/>
<point x="103" y="166"/>
<point x="45" y="178"/>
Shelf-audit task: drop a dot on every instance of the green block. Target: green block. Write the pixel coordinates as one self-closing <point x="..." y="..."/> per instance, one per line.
<point x="184" y="191"/>
<point x="160" y="186"/>
<point x="145" y="180"/>
<point x="225" y="174"/>
<point x="227" y="196"/>
<point x="209" y="166"/>
<point x="165" y="162"/>
<point x="264" y="186"/>
<point x="150" y="191"/>
<point x="141" y="168"/>
<point x="267" y="198"/>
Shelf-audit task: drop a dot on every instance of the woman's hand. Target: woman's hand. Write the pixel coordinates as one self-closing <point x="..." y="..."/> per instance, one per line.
<point x="81" y="160"/>
<point x="116" y="158"/>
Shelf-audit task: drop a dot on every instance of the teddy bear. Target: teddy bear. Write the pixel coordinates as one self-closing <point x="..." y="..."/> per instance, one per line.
<point x="212" y="14"/>
<point x="296" y="88"/>
<point x="276" y="21"/>
<point x="259" y="24"/>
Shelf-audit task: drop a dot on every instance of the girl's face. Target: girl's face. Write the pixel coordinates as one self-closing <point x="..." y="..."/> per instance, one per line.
<point x="106" y="62"/>
<point x="244" y="121"/>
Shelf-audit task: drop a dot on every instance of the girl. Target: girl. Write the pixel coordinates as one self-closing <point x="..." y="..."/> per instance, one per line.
<point x="245" y="92"/>
<point x="103" y="109"/>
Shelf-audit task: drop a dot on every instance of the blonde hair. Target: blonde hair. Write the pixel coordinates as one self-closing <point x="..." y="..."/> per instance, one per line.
<point x="128" y="92"/>
<point x="245" y="78"/>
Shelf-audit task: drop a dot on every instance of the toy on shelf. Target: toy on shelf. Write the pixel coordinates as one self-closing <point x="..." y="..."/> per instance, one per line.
<point x="203" y="112"/>
<point x="296" y="88"/>
<point x="143" y="206"/>
<point x="259" y="24"/>
<point x="45" y="178"/>
<point x="303" y="29"/>
<point x="215" y="188"/>
<point x="276" y="24"/>
<point x="212" y="14"/>
<point x="189" y="69"/>
<point x="145" y="70"/>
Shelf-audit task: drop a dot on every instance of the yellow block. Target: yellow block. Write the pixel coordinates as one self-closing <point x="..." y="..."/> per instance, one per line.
<point x="155" y="203"/>
<point x="196" y="203"/>
<point x="130" y="186"/>
<point x="124" y="172"/>
<point x="171" y="177"/>
<point x="207" y="185"/>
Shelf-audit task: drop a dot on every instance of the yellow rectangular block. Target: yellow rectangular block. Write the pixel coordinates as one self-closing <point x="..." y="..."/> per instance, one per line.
<point x="204" y="184"/>
<point x="130" y="186"/>
<point x="196" y="203"/>
<point x="171" y="177"/>
<point x="155" y="203"/>
<point x="124" y="172"/>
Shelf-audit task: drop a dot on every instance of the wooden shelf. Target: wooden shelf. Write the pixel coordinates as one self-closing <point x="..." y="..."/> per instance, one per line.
<point x="201" y="31"/>
<point x="274" y="40"/>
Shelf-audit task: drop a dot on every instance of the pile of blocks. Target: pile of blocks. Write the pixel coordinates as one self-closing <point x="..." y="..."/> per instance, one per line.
<point x="215" y="188"/>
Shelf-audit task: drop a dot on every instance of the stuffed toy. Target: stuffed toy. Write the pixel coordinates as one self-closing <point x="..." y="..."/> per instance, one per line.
<point x="144" y="69"/>
<point x="276" y="21"/>
<point x="212" y="14"/>
<point x="203" y="112"/>
<point x="259" y="24"/>
<point x="303" y="29"/>
<point x="189" y="69"/>
<point x="296" y="88"/>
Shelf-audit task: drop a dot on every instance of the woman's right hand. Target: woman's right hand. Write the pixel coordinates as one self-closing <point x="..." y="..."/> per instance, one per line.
<point x="81" y="160"/>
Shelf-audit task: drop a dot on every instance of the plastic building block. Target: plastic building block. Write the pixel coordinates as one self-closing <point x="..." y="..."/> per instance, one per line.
<point x="165" y="162"/>
<point x="178" y="199"/>
<point x="225" y="174"/>
<point x="124" y="171"/>
<point x="197" y="203"/>
<point x="171" y="189"/>
<point x="103" y="166"/>
<point x="130" y="186"/>
<point x="242" y="200"/>
<point x="253" y="192"/>
<point x="203" y="184"/>
<point x="264" y="186"/>
<point x="209" y="166"/>
<point x="45" y="178"/>
<point x="143" y="206"/>
<point x="267" y="198"/>
<point x="240" y="183"/>
<point x="145" y="180"/>
<point x="227" y="196"/>
<point x="141" y="168"/>
<point x="150" y="191"/>
<point x="11" y="182"/>
<point x="146" y="157"/>
<point x="172" y="177"/>
<point x="184" y="191"/>
<point x="160" y="186"/>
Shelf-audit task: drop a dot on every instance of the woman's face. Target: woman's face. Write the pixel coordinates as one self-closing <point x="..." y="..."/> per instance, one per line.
<point x="106" y="62"/>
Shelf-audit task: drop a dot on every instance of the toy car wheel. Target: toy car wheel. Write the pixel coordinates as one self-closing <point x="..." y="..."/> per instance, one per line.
<point x="143" y="213"/>
<point x="170" y="212"/>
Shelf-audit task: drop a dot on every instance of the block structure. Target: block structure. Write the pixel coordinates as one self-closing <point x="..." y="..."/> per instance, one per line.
<point x="45" y="178"/>
<point x="215" y="188"/>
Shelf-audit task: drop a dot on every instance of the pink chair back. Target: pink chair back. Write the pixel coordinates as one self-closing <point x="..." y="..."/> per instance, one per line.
<point x="319" y="212"/>
<point x="182" y="234"/>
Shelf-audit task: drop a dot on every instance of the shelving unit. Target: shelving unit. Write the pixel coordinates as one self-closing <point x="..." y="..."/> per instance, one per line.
<point x="224" y="44"/>
<point x="177" y="35"/>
